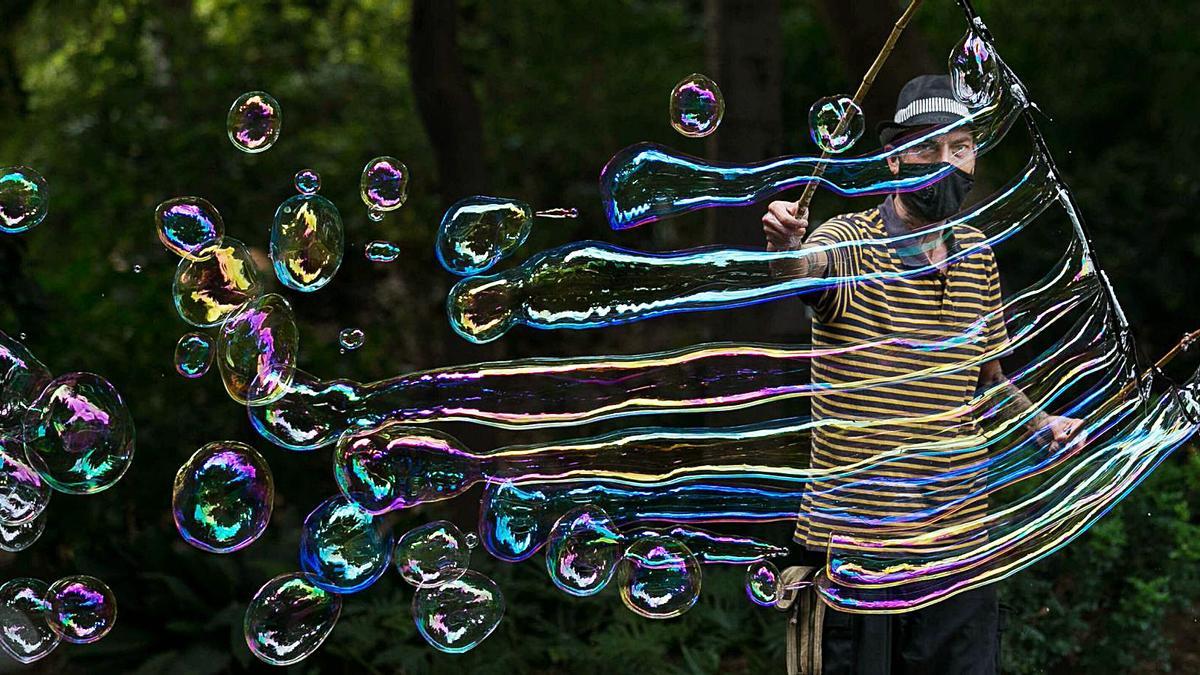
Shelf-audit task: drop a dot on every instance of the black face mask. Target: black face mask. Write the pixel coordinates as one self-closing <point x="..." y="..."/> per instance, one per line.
<point x="939" y="201"/>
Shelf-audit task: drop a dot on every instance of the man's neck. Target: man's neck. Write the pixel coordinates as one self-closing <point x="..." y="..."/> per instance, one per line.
<point x="910" y="221"/>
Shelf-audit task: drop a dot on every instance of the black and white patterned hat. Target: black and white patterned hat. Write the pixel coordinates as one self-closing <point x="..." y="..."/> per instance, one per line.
<point x="925" y="100"/>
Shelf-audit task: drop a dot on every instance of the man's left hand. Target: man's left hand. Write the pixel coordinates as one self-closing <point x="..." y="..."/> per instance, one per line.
<point x="1063" y="429"/>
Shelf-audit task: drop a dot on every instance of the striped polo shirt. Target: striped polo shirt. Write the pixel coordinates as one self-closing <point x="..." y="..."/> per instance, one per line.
<point x="887" y="294"/>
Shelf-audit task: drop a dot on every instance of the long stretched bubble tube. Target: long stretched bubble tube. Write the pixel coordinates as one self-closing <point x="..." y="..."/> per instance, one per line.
<point x="593" y="284"/>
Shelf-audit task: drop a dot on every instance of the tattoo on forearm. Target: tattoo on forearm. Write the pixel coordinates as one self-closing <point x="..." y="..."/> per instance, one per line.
<point x="814" y="264"/>
<point x="1020" y="404"/>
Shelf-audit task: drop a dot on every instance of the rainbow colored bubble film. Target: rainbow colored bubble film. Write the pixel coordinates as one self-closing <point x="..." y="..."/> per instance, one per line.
<point x="24" y="199"/>
<point x="697" y="106"/>
<point x="477" y="232"/>
<point x="835" y="123"/>
<point x="381" y="251"/>
<point x="307" y="242"/>
<point x="16" y="537"/>
<point x="193" y="355"/>
<point x="456" y="616"/>
<point x="190" y="227"/>
<point x="222" y="497"/>
<point x="256" y="350"/>
<point x="383" y="185"/>
<point x="307" y="181"/>
<point x="432" y="554"/>
<point x="26" y="635"/>
<point x="288" y="619"/>
<point x="207" y="291"/>
<point x="23" y="493"/>
<point x="342" y="547"/>
<point x="22" y="378"/>
<point x="81" y="609"/>
<point x="254" y="122"/>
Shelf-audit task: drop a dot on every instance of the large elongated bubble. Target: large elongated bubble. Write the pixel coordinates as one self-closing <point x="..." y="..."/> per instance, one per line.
<point x="307" y="242"/>
<point x="256" y="350"/>
<point x="456" y="616"/>
<point x="190" y="227"/>
<point x="23" y="199"/>
<point x="82" y="609"/>
<point x="25" y="632"/>
<point x="222" y="497"/>
<point x="207" y="291"/>
<point x="23" y="493"/>
<point x="289" y="618"/>
<point x="343" y="549"/>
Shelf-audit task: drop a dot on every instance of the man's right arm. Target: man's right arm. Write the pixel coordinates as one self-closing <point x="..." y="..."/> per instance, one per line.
<point x="784" y="225"/>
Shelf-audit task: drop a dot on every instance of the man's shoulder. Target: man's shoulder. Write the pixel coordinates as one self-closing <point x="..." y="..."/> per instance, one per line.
<point x="851" y="226"/>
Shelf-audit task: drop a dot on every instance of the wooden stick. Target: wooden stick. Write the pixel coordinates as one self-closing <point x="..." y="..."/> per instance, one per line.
<point x="1184" y="344"/>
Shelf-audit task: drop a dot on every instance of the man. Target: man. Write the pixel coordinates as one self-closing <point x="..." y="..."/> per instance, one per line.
<point x="901" y="239"/>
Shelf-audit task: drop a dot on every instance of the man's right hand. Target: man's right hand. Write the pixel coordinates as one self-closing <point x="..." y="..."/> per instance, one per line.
<point x="784" y="225"/>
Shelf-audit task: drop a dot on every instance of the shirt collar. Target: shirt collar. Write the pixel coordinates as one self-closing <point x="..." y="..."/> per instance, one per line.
<point x="906" y="245"/>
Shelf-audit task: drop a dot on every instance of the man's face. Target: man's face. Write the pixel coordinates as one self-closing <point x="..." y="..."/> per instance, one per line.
<point x="956" y="147"/>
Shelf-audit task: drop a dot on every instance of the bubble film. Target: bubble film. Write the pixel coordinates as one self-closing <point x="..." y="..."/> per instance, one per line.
<point x="23" y="199"/>
<point x="381" y="251"/>
<point x="222" y="497"/>
<point x="835" y="123"/>
<point x="763" y="586"/>
<point x="697" y="106"/>
<point x="975" y="73"/>
<point x="193" y="355"/>
<point x="23" y="493"/>
<point x="254" y="122"/>
<point x="456" y="616"/>
<point x="432" y="554"/>
<point x="582" y="551"/>
<point x="307" y="242"/>
<point x="384" y="184"/>
<point x="351" y="338"/>
<point x="190" y="227"/>
<point x="207" y="291"/>
<point x="342" y="547"/>
<point x="307" y="182"/>
<point x="477" y="232"/>
<point x="81" y="609"/>
<point x="288" y="619"/>
<point x="25" y="633"/>
<point x="659" y="578"/>
<point x="20" y="536"/>
<point x="256" y="350"/>
<point x="78" y="434"/>
<point x="22" y="378"/>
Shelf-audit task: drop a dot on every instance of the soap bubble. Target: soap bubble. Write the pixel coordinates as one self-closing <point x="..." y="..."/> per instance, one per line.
<point x="288" y="619"/>
<point x="254" y="121"/>
<point x="472" y="540"/>
<point x="23" y="199"/>
<point x="477" y="232"/>
<point x="381" y="251"/>
<point x="975" y="75"/>
<point x="308" y="182"/>
<point x="432" y="554"/>
<point x="836" y="123"/>
<point x="81" y="609"/>
<point x="18" y="537"/>
<point x="307" y="242"/>
<point x="342" y="547"/>
<point x="351" y="338"/>
<point x="79" y="434"/>
<point x="193" y="355"/>
<point x="374" y="215"/>
<point x="384" y="184"/>
<point x="23" y="493"/>
<point x="513" y="520"/>
<point x="659" y="577"/>
<point x="762" y="583"/>
<point x="457" y="615"/>
<point x="206" y="291"/>
<point x="22" y="378"/>
<point x="25" y="634"/>
<point x="256" y="350"/>
<point x="222" y="497"/>
<point x="189" y="227"/>
<point x="582" y="551"/>
<point x="697" y="106"/>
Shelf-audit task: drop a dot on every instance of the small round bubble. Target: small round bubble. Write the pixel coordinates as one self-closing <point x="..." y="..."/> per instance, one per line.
<point x="456" y="616"/>
<point x="25" y="633"/>
<point x="23" y="493"/>
<point x="193" y="355"/>
<point x="381" y="251"/>
<point x="432" y="554"/>
<point x="288" y="619"/>
<point x="836" y="123"/>
<point x="351" y="338"/>
<point x="659" y="577"/>
<point x="82" y="609"/>
<point x="374" y="215"/>
<point x="190" y="227"/>
<point x="308" y="182"/>
<point x="207" y="291"/>
<point x="582" y="551"/>
<point x="222" y="497"/>
<point x="254" y="121"/>
<point x="23" y="199"/>
<point x="384" y="185"/>
<point x="20" y="536"/>
<point x="762" y="583"/>
<point x="342" y="547"/>
<point x="472" y="540"/>
<point x="697" y="106"/>
<point x="975" y="73"/>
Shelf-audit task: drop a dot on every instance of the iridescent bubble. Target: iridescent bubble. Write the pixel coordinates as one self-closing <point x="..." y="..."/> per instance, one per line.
<point x="836" y="123"/>
<point x="79" y="434"/>
<point x="513" y="521"/>
<point x="472" y="540"/>
<point x="374" y="215"/>
<point x="308" y="182"/>
<point x="477" y="232"/>
<point x="582" y="551"/>
<point x="206" y="291"/>
<point x="384" y="184"/>
<point x="342" y="547"/>
<point x="256" y="350"/>
<point x="307" y="242"/>
<point x="974" y="71"/>
<point x="15" y="538"/>
<point x="351" y="338"/>
<point x="23" y="493"/>
<point x="432" y="554"/>
<point x="222" y="497"/>
<point x="23" y="199"/>
<point x="193" y="355"/>
<point x="22" y="378"/>
<point x="697" y="106"/>
<point x="81" y="609"/>
<point x="189" y="227"/>
<point x="659" y="577"/>
<point x="457" y="615"/>
<point x="381" y="251"/>
<point x="25" y="634"/>
<point x="762" y="583"/>
<point x="288" y="619"/>
<point x="254" y="121"/>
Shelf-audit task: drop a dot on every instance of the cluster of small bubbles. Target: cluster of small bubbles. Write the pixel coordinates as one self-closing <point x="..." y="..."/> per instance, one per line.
<point x="381" y="251"/>
<point x="190" y="227"/>
<point x="659" y="577"/>
<point x="308" y="182"/>
<point x="582" y="551"/>
<point x="307" y="242"/>
<point x="20" y="536"/>
<point x="697" y="106"/>
<point x="762" y="583"/>
<point x="22" y="378"/>
<point x="343" y="548"/>
<point x="836" y="123"/>
<point x="23" y="199"/>
<point x="288" y="619"/>
<point x="23" y="493"/>
<point x="254" y="121"/>
<point x="975" y="74"/>
<point x="207" y="291"/>
<point x="432" y="554"/>
<point x="351" y="338"/>
<point x="78" y="434"/>
<point x="193" y="355"/>
<point x="25" y="632"/>
<point x="383" y="186"/>
<point x="81" y="609"/>
<point x="257" y="348"/>
<point x="222" y="497"/>
<point x="456" y="616"/>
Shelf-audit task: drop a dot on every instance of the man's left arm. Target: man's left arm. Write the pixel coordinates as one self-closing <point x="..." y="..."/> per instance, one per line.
<point x="1060" y="429"/>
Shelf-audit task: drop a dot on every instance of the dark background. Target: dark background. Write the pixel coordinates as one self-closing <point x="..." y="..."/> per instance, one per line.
<point x="122" y="104"/>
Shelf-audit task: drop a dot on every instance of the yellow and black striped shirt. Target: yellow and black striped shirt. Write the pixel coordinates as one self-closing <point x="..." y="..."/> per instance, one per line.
<point x="885" y="296"/>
